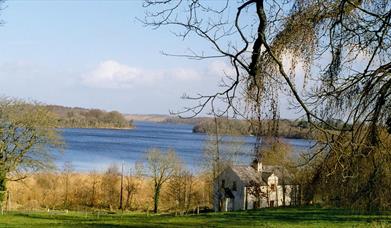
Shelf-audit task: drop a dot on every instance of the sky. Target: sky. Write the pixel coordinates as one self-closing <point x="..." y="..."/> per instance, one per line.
<point x="96" y="54"/>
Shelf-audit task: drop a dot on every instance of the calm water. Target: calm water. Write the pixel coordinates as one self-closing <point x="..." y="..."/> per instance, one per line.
<point x="96" y="149"/>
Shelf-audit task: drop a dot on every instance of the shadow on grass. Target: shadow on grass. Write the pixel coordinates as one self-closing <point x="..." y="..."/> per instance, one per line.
<point x="116" y="220"/>
<point x="305" y="215"/>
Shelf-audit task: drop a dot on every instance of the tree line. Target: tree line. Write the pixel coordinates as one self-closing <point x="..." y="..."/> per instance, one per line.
<point x="296" y="129"/>
<point x="158" y="183"/>
<point x="88" y="118"/>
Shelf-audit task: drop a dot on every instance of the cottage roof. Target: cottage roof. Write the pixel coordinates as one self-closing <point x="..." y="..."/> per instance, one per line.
<point x="282" y="173"/>
<point x="248" y="174"/>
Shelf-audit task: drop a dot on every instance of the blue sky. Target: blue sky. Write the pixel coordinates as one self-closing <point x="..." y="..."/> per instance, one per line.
<point x="95" y="54"/>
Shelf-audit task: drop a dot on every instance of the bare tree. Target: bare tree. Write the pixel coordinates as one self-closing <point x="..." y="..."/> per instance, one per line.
<point x="221" y="149"/>
<point x="162" y="166"/>
<point x="109" y="185"/>
<point x="132" y="183"/>
<point x="121" y="195"/>
<point x="67" y="176"/>
<point x="27" y="132"/>
<point x="94" y="177"/>
<point x="343" y="49"/>
<point x="1" y="8"/>
<point x="181" y="190"/>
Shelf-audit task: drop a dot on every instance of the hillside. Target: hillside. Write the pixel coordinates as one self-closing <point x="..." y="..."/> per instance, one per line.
<point x="88" y="118"/>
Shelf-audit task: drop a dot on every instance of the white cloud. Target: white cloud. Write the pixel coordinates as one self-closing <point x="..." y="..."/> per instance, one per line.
<point x="184" y="74"/>
<point x="112" y="74"/>
<point x="221" y="69"/>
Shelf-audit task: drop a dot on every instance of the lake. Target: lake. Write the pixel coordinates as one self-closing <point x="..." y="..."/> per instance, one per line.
<point x="96" y="149"/>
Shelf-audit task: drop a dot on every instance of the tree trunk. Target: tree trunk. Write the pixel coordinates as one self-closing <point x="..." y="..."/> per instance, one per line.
<point x="93" y="195"/>
<point x="122" y="188"/>
<point x="127" y="204"/>
<point x="217" y="158"/>
<point x="283" y="194"/>
<point x="3" y="186"/>
<point x="156" y="199"/>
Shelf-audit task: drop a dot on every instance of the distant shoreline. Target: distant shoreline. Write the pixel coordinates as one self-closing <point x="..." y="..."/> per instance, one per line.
<point x="68" y="117"/>
<point x="106" y="128"/>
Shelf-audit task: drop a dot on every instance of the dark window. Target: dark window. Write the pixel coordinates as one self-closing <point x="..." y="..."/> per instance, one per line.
<point x="223" y="183"/>
<point x="273" y="187"/>
<point x="234" y="188"/>
<point x="271" y="203"/>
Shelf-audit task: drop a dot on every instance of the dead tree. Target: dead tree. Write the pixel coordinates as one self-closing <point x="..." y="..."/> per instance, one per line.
<point x="161" y="166"/>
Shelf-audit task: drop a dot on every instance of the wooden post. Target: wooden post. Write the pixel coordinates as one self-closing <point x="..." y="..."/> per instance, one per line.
<point x="122" y="188"/>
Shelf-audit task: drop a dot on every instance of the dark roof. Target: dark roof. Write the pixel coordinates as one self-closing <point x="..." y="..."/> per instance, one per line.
<point x="248" y="174"/>
<point x="265" y="176"/>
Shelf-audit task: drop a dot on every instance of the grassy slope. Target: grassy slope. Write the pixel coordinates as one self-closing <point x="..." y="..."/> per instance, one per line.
<point x="259" y="218"/>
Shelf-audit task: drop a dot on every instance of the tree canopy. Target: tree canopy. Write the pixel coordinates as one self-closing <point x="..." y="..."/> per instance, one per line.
<point x="162" y="167"/>
<point x="88" y="118"/>
<point x="27" y="135"/>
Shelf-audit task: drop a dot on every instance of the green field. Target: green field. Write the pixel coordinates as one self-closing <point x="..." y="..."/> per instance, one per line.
<point x="281" y="217"/>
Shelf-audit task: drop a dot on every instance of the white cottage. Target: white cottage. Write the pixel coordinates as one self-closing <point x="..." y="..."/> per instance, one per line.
<point x="256" y="186"/>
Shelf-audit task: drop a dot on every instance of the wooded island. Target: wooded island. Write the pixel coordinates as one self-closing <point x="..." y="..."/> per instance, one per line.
<point x="287" y="128"/>
<point x="89" y="118"/>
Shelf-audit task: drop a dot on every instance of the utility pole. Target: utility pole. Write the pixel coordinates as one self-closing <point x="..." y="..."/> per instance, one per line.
<point x="217" y="158"/>
<point x="122" y="187"/>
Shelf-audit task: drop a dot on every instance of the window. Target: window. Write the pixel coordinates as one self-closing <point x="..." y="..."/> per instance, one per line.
<point x="271" y="203"/>
<point x="272" y="187"/>
<point x="223" y="183"/>
<point x="234" y="188"/>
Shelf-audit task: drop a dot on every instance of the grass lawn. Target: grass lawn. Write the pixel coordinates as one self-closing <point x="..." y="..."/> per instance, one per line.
<point x="280" y="217"/>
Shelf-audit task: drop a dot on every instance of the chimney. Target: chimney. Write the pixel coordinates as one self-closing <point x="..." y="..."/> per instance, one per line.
<point x="259" y="166"/>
